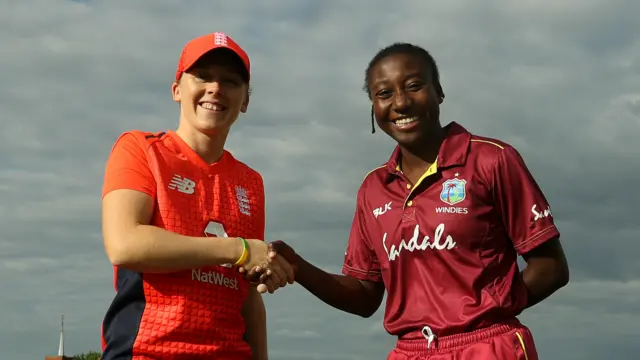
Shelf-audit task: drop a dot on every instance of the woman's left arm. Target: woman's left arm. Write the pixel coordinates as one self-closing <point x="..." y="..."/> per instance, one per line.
<point x="527" y="218"/>
<point x="255" y="318"/>
<point x="546" y="272"/>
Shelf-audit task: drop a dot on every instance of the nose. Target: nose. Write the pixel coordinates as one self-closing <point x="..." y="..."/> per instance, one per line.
<point x="401" y="102"/>
<point x="213" y="87"/>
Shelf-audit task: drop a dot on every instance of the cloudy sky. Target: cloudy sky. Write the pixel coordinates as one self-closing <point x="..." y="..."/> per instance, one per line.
<point x="560" y="80"/>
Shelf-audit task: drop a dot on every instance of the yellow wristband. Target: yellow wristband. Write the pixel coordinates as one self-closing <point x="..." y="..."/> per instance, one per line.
<point x="245" y="253"/>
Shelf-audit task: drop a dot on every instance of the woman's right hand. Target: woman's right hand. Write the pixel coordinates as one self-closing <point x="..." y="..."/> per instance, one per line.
<point x="278" y="270"/>
<point x="258" y="254"/>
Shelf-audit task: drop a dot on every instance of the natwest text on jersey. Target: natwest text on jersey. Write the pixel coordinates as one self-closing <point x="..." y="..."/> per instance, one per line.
<point x="216" y="278"/>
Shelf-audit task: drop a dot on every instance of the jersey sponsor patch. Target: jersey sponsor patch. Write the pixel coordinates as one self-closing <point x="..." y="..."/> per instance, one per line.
<point x="416" y="243"/>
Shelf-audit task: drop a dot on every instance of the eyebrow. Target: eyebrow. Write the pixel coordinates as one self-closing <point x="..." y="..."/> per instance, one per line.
<point x="410" y="75"/>
<point x="416" y="74"/>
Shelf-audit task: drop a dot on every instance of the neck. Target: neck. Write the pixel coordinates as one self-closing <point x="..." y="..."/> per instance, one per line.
<point x="425" y="153"/>
<point x="209" y="147"/>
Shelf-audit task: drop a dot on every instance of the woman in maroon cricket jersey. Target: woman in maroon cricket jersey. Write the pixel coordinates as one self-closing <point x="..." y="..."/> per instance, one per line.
<point x="439" y="226"/>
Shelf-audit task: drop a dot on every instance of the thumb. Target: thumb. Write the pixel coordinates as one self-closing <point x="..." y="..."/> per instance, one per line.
<point x="274" y="248"/>
<point x="277" y="245"/>
<point x="262" y="288"/>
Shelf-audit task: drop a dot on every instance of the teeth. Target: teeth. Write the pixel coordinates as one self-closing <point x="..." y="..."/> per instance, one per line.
<point x="405" y="121"/>
<point x="210" y="106"/>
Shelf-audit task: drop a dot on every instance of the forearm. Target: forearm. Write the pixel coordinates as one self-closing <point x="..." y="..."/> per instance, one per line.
<point x="546" y="272"/>
<point x="255" y="317"/>
<point x="339" y="291"/>
<point x="152" y="249"/>
<point x="542" y="282"/>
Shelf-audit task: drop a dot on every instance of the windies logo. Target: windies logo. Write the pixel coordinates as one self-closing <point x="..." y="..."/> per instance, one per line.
<point x="453" y="191"/>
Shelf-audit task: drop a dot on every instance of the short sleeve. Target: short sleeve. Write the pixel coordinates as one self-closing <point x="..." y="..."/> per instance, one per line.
<point x="360" y="259"/>
<point x="260" y="219"/>
<point x="525" y="212"/>
<point x="128" y="168"/>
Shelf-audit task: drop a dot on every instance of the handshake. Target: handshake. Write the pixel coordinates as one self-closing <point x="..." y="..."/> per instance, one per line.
<point x="269" y="266"/>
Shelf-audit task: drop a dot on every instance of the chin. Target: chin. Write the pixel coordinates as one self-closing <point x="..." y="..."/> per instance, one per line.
<point x="406" y="138"/>
<point x="212" y="124"/>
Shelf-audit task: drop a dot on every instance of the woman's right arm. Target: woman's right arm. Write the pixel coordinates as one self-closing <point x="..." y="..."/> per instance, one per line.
<point x="130" y="242"/>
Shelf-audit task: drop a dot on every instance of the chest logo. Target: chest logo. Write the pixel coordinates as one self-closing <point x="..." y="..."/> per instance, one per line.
<point x="243" y="200"/>
<point x="417" y="244"/>
<point x="182" y="184"/>
<point x="453" y="191"/>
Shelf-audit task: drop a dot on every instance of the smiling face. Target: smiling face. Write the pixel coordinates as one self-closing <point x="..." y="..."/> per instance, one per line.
<point x="406" y="101"/>
<point x="213" y="92"/>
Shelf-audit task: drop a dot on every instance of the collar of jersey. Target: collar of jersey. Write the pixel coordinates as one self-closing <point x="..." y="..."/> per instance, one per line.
<point x="453" y="151"/>
<point x="184" y="149"/>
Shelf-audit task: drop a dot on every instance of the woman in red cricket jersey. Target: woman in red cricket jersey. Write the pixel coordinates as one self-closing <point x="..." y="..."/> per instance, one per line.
<point x="439" y="227"/>
<point x="177" y="208"/>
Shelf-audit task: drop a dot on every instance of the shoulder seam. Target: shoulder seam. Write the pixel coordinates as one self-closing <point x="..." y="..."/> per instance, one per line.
<point x="488" y="142"/>
<point x="371" y="172"/>
<point x="246" y="166"/>
<point x="144" y="138"/>
<point x="154" y="135"/>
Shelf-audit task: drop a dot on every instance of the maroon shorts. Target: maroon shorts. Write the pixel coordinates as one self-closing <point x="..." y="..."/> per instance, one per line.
<point x="506" y="341"/>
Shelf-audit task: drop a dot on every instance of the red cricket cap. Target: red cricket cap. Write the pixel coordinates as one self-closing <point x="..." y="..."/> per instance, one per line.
<point x="199" y="46"/>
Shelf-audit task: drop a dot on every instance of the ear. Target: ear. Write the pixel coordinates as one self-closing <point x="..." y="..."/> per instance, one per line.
<point x="245" y="104"/>
<point x="440" y="94"/>
<point x="175" y="92"/>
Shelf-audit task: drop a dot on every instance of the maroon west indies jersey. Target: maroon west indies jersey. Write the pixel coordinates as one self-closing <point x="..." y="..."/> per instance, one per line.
<point x="446" y="247"/>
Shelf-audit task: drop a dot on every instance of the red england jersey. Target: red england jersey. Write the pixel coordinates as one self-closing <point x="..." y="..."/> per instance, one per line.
<point x="446" y="247"/>
<point x="193" y="314"/>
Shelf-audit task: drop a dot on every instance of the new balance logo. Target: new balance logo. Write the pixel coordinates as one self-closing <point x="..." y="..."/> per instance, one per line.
<point x="183" y="185"/>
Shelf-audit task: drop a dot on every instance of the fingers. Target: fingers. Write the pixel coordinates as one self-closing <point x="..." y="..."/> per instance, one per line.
<point x="271" y="276"/>
<point x="273" y="284"/>
<point x="262" y="288"/>
<point x="270" y="279"/>
<point x="253" y="274"/>
<point x="283" y="269"/>
<point x="261" y="275"/>
<point x="278" y="272"/>
<point x="274" y="280"/>
<point x="288" y="270"/>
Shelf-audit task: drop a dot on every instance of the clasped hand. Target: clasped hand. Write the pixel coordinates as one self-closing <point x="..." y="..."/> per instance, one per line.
<point x="270" y="266"/>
